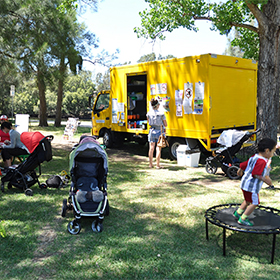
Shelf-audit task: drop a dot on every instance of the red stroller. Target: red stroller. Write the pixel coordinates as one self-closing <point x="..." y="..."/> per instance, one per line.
<point x="23" y="176"/>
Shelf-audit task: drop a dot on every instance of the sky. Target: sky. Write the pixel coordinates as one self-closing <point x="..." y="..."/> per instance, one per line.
<point x="113" y="25"/>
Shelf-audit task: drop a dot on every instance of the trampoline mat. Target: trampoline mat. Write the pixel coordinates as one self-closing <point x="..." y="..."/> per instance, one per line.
<point x="263" y="220"/>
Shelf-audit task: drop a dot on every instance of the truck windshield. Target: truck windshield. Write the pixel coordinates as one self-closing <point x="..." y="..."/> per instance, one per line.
<point x="102" y="102"/>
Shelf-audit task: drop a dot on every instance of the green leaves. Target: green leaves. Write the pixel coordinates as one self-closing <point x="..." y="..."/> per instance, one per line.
<point x="168" y="15"/>
<point x="77" y="89"/>
<point x="165" y="16"/>
<point x="248" y="41"/>
<point x="2" y="229"/>
<point x="67" y="5"/>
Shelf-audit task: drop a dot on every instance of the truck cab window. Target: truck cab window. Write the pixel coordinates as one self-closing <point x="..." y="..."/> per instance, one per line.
<point x="102" y="103"/>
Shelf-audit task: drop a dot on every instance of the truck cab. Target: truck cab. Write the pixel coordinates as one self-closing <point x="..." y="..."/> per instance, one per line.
<point x="101" y="116"/>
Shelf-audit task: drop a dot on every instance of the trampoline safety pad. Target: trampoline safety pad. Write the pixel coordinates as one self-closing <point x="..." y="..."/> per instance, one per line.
<point x="266" y="221"/>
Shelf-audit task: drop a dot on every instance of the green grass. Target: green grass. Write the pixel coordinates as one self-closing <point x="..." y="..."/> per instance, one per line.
<point x="156" y="227"/>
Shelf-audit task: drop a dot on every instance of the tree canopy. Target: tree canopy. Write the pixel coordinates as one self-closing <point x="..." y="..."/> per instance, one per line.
<point x="68" y="5"/>
<point x="43" y="40"/>
<point x="258" y="24"/>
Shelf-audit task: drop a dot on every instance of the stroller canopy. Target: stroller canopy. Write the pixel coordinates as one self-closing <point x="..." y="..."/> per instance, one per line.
<point x="31" y="140"/>
<point x="88" y="149"/>
<point x="230" y="137"/>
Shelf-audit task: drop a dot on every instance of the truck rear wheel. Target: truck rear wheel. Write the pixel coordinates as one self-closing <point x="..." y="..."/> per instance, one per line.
<point x="108" y="139"/>
<point x="173" y="145"/>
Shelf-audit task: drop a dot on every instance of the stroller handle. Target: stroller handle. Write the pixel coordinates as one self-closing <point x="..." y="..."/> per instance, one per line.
<point x="255" y="132"/>
<point x="49" y="137"/>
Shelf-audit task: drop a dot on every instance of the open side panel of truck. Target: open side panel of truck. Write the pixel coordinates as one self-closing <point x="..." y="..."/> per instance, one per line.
<point x="136" y="100"/>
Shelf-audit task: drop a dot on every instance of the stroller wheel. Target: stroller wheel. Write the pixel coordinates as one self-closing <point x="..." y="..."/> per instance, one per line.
<point x="10" y="185"/>
<point x="28" y="192"/>
<point x="2" y="187"/>
<point x="97" y="227"/>
<point x="74" y="227"/>
<point x="211" y="166"/>
<point x="232" y="172"/>
<point x="64" y="208"/>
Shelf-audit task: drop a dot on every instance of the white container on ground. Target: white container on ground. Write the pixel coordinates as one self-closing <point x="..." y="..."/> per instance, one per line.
<point x="185" y="158"/>
<point x="192" y="160"/>
<point x="181" y="155"/>
<point x="22" y="123"/>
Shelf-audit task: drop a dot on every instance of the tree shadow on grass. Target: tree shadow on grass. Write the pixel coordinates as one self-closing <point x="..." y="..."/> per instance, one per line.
<point x="147" y="245"/>
<point x="140" y="241"/>
<point x="259" y="250"/>
<point x="144" y="243"/>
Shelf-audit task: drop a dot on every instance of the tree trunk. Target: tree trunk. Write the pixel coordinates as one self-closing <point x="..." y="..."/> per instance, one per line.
<point x="42" y="97"/>
<point x="59" y="103"/>
<point x="62" y="69"/>
<point x="268" y="70"/>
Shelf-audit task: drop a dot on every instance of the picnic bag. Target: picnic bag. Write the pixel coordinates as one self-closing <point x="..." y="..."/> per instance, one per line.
<point x="54" y="181"/>
<point x="162" y="142"/>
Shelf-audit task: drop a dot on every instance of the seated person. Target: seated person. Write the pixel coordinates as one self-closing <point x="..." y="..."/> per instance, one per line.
<point x="4" y="136"/>
<point x="14" y="147"/>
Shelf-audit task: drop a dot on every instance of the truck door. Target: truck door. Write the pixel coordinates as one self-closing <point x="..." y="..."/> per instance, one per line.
<point x="101" y="113"/>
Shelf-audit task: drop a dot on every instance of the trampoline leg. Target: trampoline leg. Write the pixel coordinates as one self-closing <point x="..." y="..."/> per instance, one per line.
<point x="206" y="228"/>
<point x="224" y="241"/>
<point x="273" y="248"/>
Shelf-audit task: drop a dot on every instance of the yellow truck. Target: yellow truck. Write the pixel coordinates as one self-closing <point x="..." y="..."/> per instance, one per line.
<point x="201" y="96"/>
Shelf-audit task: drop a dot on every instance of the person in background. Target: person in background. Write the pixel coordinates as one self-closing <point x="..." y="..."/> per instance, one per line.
<point x="255" y="172"/>
<point x="4" y="118"/>
<point x="4" y="136"/>
<point x="14" y="147"/>
<point x="156" y="120"/>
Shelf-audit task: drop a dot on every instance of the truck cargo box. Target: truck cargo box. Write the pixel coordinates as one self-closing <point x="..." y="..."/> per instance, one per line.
<point x="201" y="96"/>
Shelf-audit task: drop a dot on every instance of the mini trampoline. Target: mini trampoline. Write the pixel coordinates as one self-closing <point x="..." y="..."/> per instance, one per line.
<point x="266" y="221"/>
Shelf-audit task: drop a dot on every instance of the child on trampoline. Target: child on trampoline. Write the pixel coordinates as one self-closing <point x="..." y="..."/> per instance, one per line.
<point x="254" y="172"/>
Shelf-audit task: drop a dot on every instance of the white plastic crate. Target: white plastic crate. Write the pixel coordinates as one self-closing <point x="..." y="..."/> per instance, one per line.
<point x="184" y="158"/>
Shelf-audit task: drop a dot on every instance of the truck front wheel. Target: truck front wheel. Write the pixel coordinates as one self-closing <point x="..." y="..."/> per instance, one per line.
<point x="173" y="145"/>
<point x="108" y="139"/>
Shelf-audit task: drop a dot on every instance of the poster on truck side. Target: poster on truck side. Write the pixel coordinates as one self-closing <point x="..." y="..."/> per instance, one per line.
<point x="159" y="89"/>
<point x="198" y="98"/>
<point x="188" y="98"/>
<point x="114" y="110"/>
<point x="179" y="102"/>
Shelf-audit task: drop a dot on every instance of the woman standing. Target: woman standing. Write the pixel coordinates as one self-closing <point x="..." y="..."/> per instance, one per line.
<point x="156" y="120"/>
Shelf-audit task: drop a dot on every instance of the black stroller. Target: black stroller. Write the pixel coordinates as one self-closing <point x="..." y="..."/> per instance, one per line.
<point x="23" y="176"/>
<point x="88" y="191"/>
<point x="232" y="141"/>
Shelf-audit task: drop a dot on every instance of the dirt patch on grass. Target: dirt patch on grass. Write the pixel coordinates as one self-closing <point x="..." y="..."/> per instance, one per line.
<point x="135" y="153"/>
<point x="219" y="180"/>
<point x="45" y="239"/>
<point x="61" y="143"/>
